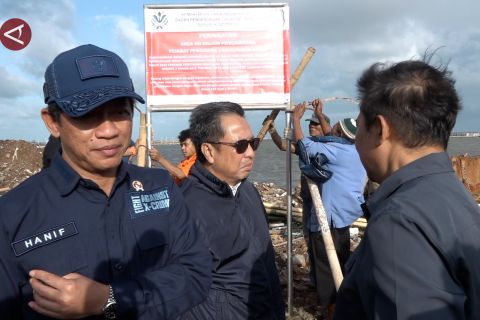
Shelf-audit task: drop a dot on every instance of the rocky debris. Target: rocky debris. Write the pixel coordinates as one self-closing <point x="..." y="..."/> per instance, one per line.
<point x="19" y="160"/>
<point x="276" y="196"/>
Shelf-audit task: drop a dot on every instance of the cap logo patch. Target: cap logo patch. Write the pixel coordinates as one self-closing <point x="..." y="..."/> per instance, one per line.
<point x="97" y="66"/>
<point x="43" y="238"/>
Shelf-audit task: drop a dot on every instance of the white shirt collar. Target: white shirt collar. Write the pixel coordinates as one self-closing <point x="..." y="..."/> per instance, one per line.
<point x="235" y="187"/>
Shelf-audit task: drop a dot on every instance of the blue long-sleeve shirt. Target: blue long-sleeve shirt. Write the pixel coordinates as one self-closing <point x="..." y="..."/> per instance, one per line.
<point x="342" y="194"/>
<point x="140" y="239"/>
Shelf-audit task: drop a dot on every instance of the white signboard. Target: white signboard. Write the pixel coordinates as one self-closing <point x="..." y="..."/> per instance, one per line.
<point x="204" y="53"/>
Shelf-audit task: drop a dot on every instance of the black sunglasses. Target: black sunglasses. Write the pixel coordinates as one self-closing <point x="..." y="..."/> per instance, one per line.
<point x="241" y="145"/>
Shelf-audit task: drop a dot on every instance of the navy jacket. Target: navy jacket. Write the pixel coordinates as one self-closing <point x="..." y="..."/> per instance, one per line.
<point x="245" y="279"/>
<point x="420" y="256"/>
<point x="140" y="239"/>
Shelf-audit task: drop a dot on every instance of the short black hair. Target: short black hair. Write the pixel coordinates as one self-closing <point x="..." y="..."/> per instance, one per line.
<point x="419" y="100"/>
<point x="205" y="123"/>
<point x="184" y="135"/>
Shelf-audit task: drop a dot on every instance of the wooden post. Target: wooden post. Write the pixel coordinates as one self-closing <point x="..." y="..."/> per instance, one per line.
<point x="142" y="150"/>
<point x="293" y="80"/>
<point x="327" y="236"/>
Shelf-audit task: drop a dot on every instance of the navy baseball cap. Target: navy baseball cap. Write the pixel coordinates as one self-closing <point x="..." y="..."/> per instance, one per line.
<point x="81" y="79"/>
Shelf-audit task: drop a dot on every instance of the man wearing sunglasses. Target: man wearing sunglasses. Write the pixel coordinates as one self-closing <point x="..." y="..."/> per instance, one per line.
<point x="231" y="217"/>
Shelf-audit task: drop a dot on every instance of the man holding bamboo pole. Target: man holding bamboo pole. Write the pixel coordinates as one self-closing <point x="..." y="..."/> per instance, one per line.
<point x="342" y="195"/>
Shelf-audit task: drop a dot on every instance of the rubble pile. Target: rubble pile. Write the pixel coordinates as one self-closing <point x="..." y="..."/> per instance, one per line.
<point x="19" y="160"/>
<point x="277" y="197"/>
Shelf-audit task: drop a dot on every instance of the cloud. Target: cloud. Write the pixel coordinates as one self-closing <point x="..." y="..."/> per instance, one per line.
<point x="127" y="31"/>
<point x="21" y="96"/>
<point x="14" y="86"/>
<point x="128" y="44"/>
<point x="52" y="24"/>
<point x="351" y="35"/>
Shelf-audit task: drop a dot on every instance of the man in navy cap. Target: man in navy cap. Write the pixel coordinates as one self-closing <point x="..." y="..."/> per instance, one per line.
<point x="90" y="236"/>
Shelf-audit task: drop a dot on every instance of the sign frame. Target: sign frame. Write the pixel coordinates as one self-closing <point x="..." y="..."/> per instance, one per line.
<point x="157" y="16"/>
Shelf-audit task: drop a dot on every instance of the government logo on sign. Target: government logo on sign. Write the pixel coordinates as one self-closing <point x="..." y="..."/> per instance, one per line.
<point x="15" y="34"/>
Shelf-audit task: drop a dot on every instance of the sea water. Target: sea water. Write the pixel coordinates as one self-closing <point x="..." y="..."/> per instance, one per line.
<point x="270" y="163"/>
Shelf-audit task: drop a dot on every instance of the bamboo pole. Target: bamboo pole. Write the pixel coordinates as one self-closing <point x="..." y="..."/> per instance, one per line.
<point x="142" y="142"/>
<point x="327" y="236"/>
<point x="4" y="189"/>
<point x="293" y="80"/>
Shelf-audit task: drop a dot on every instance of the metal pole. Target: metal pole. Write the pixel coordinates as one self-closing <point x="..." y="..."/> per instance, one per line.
<point x="289" y="212"/>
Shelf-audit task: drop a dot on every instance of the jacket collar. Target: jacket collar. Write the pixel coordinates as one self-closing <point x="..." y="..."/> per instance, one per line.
<point x="66" y="179"/>
<point x="201" y="174"/>
<point x="430" y="164"/>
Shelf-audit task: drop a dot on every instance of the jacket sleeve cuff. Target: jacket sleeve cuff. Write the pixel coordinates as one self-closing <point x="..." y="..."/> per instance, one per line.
<point x="129" y="297"/>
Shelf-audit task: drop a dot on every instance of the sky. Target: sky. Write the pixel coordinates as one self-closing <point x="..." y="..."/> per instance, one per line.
<point x="348" y="36"/>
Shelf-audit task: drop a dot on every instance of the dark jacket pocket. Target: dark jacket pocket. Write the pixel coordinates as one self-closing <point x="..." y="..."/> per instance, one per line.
<point x="59" y="257"/>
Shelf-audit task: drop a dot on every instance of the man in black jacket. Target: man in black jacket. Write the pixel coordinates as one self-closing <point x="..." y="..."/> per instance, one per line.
<point x="419" y="255"/>
<point x="91" y="237"/>
<point x="231" y="217"/>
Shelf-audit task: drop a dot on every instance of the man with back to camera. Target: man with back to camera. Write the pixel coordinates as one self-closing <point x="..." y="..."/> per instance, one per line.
<point x="231" y="217"/>
<point x="419" y="255"/>
<point x="342" y="195"/>
<point x="91" y="236"/>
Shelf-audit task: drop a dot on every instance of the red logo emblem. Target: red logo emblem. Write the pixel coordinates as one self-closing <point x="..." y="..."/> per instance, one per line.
<point x="15" y="34"/>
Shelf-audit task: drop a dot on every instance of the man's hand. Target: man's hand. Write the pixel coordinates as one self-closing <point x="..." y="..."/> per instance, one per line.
<point x="131" y="151"/>
<point x="155" y="155"/>
<point x="299" y="111"/>
<point x="317" y="105"/>
<point x="72" y="296"/>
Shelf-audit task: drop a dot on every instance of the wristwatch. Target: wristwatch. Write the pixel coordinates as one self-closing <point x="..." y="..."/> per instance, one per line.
<point x="110" y="308"/>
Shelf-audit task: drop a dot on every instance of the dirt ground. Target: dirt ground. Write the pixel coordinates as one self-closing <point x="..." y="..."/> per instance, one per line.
<point x="18" y="160"/>
<point x="21" y="159"/>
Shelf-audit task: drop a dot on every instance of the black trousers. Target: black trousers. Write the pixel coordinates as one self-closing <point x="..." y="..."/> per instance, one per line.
<point x="325" y="285"/>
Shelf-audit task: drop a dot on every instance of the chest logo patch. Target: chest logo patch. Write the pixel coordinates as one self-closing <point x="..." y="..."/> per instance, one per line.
<point x="137" y="185"/>
<point x="144" y="203"/>
<point x="44" y="238"/>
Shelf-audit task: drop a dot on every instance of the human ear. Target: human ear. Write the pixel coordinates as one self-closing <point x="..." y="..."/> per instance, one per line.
<point x="208" y="152"/>
<point x="383" y="127"/>
<point x="50" y="122"/>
